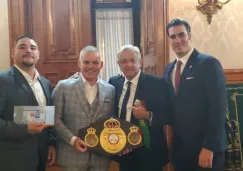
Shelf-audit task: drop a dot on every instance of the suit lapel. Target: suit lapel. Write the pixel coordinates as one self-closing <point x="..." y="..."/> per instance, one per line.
<point x="170" y="68"/>
<point x="101" y="92"/>
<point x="119" y="88"/>
<point x="79" y="88"/>
<point x="46" y="91"/>
<point x="22" y="82"/>
<point x="188" y="69"/>
<point x="168" y="76"/>
<point x="139" y="89"/>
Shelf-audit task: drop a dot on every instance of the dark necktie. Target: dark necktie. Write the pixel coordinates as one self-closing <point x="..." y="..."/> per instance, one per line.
<point x="177" y="75"/>
<point x="125" y="100"/>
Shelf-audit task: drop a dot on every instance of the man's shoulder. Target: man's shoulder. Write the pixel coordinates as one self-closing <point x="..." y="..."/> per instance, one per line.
<point x="206" y="58"/>
<point x="45" y="80"/>
<point x="168" y="66"/>
<point x="151" y="77"/>
<point x="117" y="77"/>
<point x="106" y="84"/>
<point x="152" y="80"/>
<point x="4" y="75"/>
<point x="67" y="83"/>
<point x="6" y="80"/>
<point x="156" y="83"/>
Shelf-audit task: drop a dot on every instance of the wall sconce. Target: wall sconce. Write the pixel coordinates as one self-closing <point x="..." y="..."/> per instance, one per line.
<point x="210" y="7"/>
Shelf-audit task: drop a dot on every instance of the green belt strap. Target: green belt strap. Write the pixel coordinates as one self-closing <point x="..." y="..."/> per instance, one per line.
<point x="145" y="130"/>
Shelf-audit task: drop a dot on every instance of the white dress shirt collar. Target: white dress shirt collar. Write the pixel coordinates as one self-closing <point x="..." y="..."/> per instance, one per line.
<point x="185" y="58"/>
<point x="86" y="82"/>
<point x="27" y="76"/>
<point x="134" y="80"/>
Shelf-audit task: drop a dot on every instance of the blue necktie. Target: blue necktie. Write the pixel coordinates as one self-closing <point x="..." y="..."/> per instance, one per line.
<point x="125" y="100"/>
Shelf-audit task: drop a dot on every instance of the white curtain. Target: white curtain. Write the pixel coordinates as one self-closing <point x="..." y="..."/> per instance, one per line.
<point x="114" y="28"/>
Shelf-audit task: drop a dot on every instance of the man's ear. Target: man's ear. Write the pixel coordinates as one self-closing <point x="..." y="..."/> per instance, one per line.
<point x="38" y="54"/>
<point x="118" y="63"/>
<point x="101" y="64"/>
<point x="12" y="51"/>
<point x="79" y="63"/>
<point x="141" y="62"/>
<point x="189" y="36"/>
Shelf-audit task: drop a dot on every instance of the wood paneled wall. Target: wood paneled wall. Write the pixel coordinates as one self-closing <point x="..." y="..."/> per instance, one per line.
<point x="234" y="76"/>
<point x="61" y="29"/>
<point x="154" y="44"/>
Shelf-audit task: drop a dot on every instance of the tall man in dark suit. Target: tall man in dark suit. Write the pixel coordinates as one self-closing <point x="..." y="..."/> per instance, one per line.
<point x="24" y="147"/>
<point x="197" y="83"/>
<point x="142" y="97"/>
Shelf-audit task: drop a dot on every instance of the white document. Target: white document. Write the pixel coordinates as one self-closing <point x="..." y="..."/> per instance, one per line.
<point x="30" y="114"/>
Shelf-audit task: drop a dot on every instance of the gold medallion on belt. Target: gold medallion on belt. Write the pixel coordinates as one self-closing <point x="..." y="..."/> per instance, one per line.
<point x="91" y="138"/>
<point x="134" y="138"/>
<point x="112" y="138"/>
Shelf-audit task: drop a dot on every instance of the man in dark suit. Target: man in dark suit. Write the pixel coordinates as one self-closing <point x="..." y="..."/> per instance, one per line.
<point x="197" y="84"/>
<point x="142" y="97"/>
<point x="24" y="147"/>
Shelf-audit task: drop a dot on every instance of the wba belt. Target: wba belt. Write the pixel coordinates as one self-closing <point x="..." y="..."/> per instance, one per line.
<point x="111" y="136"/>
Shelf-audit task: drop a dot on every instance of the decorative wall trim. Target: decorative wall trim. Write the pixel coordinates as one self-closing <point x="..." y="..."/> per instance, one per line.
<point x="234" y="76"/>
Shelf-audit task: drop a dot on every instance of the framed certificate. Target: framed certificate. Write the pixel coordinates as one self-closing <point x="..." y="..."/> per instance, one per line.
<point x="30" y="114"/>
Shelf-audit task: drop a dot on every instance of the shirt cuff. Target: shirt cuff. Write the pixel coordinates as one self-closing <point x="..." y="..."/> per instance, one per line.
<point x="72" y="140"/>
<point x="151" y="118"/>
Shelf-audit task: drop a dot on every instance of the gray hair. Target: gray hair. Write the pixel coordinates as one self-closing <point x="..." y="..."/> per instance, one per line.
<point x="88" y="49"/>
<point x="135" y="49"/>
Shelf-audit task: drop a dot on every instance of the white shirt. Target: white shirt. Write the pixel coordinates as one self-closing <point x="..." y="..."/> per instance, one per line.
<point x="183" y="60"/>
<point x="90" y="94"/>
<point x="90" y="91"/>
<point x="35" y="86"/>
<point x="134" y="83"/>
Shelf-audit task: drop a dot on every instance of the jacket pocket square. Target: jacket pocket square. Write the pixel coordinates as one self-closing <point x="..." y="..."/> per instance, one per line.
<point x="107" y="101"/>
<point x="189" y="78"/>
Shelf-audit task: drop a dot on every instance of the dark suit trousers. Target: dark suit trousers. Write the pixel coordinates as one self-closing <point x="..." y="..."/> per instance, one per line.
<point x="41" y="166"/>
<point x="141" y="159"/>
<point x="186" y="160"/>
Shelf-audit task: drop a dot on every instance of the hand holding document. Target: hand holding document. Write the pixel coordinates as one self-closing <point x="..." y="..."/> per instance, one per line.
<point x="34" y="114"/>
<point x="36" y="117"/>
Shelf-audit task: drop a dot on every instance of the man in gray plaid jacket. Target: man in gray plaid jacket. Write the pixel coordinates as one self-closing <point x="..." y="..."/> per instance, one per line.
<point x="80" y="101"/>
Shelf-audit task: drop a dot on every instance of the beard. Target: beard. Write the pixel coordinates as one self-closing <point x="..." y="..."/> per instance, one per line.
<point x="28" y="64"/>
